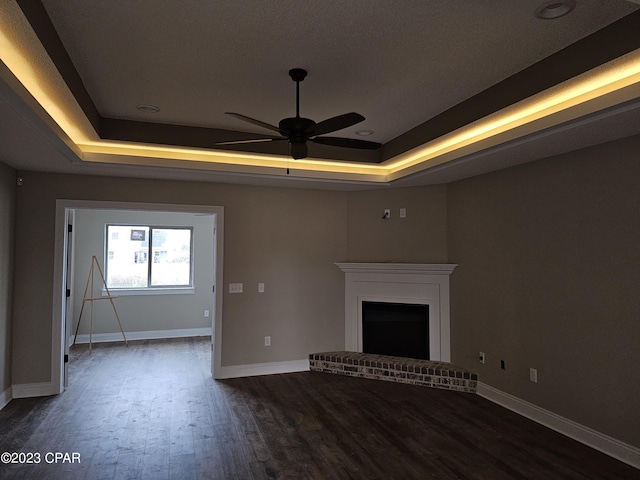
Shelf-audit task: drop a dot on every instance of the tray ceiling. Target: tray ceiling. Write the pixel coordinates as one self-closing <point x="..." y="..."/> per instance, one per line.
<point x="416" y="71"/>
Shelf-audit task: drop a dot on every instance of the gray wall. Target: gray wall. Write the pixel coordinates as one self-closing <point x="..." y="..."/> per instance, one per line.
<point x="7" y="223"/>
<point x="549" y="277"/>
<point x="141" y="312"/>
<point x="288" y="239"/>
<point x="421" y="237"/>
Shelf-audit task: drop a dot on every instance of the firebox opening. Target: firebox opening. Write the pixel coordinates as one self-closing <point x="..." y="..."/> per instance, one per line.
<point x="397" y="329"/>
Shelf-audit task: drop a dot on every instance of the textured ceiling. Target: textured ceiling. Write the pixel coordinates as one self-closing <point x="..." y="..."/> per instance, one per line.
<point x="400" y="64"/>
<point x="396" y="63"/>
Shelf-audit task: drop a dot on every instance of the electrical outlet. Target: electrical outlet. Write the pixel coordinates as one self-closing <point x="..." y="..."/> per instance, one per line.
<point x="267" y="341"/>
<point x="533" y="375"/>
<point x="481" y="357"/>
<point x="403" y="213"/>
<point x="387" y="213"/>
<point x="261" y="288"/>
<point x="206" y="314"/>
<point x="502" y="365"/>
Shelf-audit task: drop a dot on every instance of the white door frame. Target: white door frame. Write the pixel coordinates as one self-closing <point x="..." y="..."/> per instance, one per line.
<point x="68" y="279"/>
<point x="59" y="285"/>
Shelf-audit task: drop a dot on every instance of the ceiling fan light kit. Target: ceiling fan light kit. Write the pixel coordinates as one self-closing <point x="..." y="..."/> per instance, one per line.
<point x="299" y="130"/>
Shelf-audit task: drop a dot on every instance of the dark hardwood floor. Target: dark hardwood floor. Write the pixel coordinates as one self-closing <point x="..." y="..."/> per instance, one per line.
<point x="152" y="411"/>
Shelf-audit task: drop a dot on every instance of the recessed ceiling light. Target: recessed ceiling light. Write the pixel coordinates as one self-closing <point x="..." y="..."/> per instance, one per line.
<point x="364" y="133"/>
<point x="148" y="108"/>
<point x="554" y="9"/>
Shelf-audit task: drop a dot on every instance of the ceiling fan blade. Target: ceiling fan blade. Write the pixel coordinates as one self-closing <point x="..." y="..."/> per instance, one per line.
<point x="347" y="142"/>
<point x="254" y="140"/>
<point x="298" y="150"/>
<point x="333" y="124"/>
<point x="254" y="121"/>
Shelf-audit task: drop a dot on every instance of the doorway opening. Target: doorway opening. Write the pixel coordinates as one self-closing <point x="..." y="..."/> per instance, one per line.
<point x="72" y="248"/>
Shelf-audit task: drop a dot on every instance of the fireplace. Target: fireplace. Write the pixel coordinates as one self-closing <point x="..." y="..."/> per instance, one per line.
<point x="400" y="284"/>
<point x="396" y="329"/>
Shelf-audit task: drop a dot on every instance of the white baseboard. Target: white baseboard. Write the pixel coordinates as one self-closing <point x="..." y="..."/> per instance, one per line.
<point x="5" y="398"/>
<point x="614" y="448"/>
<point x="27" y="390"/>
<point x="255" y="369"/>
<point x="143" y="335"/>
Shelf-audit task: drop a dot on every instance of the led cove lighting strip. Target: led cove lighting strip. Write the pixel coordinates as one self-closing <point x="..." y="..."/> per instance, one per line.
<point x="615" y="75"/>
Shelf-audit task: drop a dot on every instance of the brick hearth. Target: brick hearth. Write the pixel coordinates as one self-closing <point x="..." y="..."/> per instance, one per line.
<point x="395" y="369"/>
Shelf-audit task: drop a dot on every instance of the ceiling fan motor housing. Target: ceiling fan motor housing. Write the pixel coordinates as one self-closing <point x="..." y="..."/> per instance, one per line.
<point x="296" y="126"/>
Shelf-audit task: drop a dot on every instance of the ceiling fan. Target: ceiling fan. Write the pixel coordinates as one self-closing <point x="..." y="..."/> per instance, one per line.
<point x="299" y="130"/>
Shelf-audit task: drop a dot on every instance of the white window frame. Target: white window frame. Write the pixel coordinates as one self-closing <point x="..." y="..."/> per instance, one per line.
<point x="151" y="289"/>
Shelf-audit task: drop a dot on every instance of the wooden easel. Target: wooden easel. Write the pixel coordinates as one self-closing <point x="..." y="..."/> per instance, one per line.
<point x="91" y="298"/>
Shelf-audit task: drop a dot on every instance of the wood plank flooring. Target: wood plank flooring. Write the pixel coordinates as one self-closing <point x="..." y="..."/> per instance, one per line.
<point x="152" y="411"/>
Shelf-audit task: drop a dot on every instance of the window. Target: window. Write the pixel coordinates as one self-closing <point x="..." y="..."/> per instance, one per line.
<point x="148" y="257"/>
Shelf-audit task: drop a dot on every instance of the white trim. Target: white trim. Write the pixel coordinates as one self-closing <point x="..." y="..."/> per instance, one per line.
<point x="5" y="398"/>
<point x="271" y="368"/>
<point x="58" y="319"/>
<point x="614" y="448"/>
<point x="27" y="390"/>
<point x="143" y="335"/>
<point x="216" y="324"/>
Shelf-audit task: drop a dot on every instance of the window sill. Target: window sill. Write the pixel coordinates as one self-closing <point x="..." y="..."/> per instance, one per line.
<point x="129" y="292"/>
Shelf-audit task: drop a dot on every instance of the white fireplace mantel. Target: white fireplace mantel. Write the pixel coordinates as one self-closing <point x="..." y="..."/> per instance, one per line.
<point x="416" y="283"/>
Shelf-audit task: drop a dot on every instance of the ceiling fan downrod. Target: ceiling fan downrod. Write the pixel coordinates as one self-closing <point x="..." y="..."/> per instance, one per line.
<point x="297" y="75"/>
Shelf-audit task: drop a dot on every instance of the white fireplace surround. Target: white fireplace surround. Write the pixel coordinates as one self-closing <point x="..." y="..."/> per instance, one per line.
<point x="414" y="283"/>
